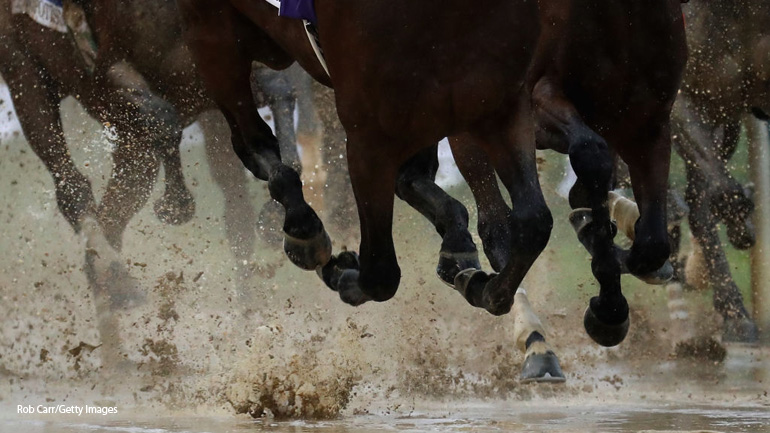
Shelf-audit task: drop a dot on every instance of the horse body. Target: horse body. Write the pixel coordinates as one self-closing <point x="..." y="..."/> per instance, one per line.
<point x="454" y="81"/>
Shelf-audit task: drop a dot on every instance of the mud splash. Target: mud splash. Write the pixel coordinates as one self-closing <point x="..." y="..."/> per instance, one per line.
<point x="291" y="349"/>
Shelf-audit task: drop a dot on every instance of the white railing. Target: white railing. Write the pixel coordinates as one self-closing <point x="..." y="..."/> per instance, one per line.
<point x="759" y="165"/>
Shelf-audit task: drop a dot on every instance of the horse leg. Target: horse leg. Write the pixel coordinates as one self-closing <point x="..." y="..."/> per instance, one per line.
<point x="177" y="205"/>
<point x="727" y="298"/>
<point x="512" y="150"/>
<point x="493" y="211"/>
<point x="606" y="319"/>
<point x="416" y="186"/>
<point x="375" y="274"/>
<point x="337" y="192"/>
<point x="712" y="194"/>
<point x="309" y="136"/>
<point x="37" y="107"/>
<point x="228" y="173"/>
<point x="279" y="96"/>
<point x="540" y="361"/>
<point x="213" y="33"/>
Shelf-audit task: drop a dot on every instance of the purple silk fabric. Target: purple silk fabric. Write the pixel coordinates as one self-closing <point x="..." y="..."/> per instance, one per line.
<point x="300" y="9"/>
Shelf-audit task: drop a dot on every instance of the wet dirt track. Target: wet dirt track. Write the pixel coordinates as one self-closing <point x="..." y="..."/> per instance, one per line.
<point x="423" y="362"/>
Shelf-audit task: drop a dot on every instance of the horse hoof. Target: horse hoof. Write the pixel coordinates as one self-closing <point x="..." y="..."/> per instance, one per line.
<point x="470" y="280"/>
<point x="451" y="264"/>
<point x="347" y="286"/>
<point x="542" y="368"/>
<point x="175" y="209"/>
<point x="659" y="277"/>
<point x="331" y="272"/>
<point x="740" y="330"/>
<point x="604" y="334"/>
<point x="308" y="254"/>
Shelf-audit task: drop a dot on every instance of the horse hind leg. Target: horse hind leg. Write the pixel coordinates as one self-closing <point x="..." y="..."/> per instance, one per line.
<point x="416" y="185"/>
<point x="540" y="361"/>
<point x="37" y="107"/>
<point x="214" y="32"/>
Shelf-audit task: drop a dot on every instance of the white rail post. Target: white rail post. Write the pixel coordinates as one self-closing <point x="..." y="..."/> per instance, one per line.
<point x="759" y="166"/>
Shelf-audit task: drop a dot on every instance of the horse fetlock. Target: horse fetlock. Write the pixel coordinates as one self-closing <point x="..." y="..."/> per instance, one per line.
<point x="285" y="184"/>
<point x="663" y="275"/>
<point x="590" y="158"/>
<point x="496" y="240"/>
<point x="531" y="230"/>
<point x="648" y="254"/>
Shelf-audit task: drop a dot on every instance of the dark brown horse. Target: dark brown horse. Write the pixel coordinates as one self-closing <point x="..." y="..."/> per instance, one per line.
<point x="407" y="74"/>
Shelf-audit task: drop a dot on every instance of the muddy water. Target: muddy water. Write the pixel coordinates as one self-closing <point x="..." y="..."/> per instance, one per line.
<point x="486" y="417"/>
<point x="198" y="356"/>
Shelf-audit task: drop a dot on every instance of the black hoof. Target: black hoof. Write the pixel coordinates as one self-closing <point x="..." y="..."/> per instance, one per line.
<point x="740" y="330"/>
<point x="341" y="275"/>
<point x="451" y="264"/>
<point x="350" y="293"/>
<point x="543" y="368"/>
<point x="331" y="272"/>
<point x="659" y="277"/>
<point x="308" y="254"/>
<point x="480" y="291"/>
<point x="602" y="333"/>
<point x="175" y="209"/>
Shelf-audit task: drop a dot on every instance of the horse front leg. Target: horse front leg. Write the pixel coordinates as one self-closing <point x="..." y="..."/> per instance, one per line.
<point x="606" y="319"/>
<point x="374" y="274"/>
<point x="512" y="151"/>
<point x="215" y="33"/>
<point x="493" y="211"/>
